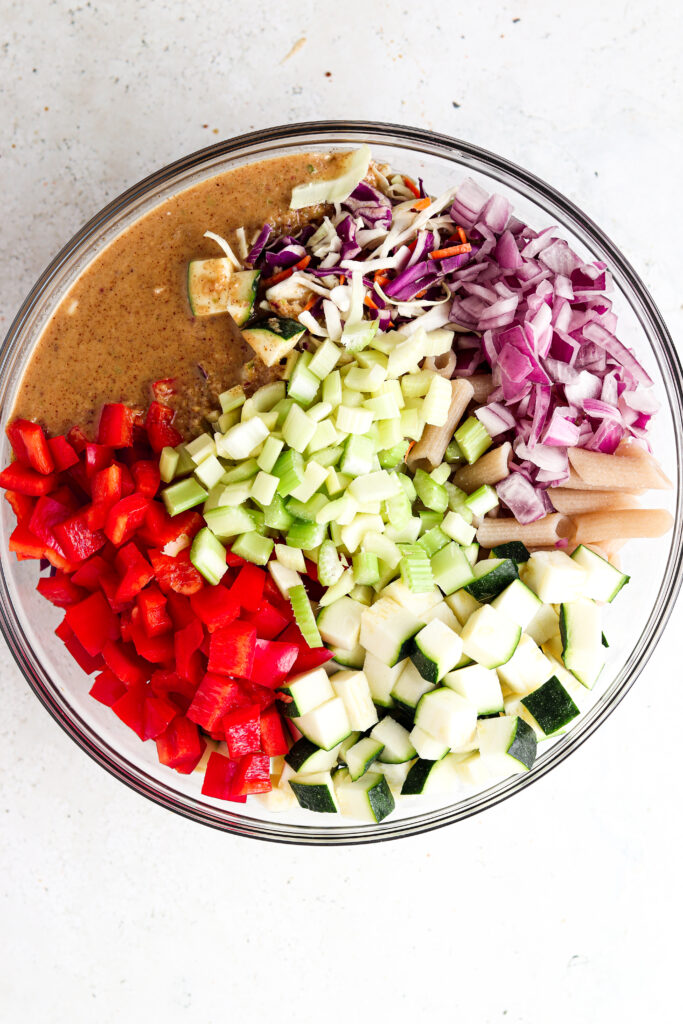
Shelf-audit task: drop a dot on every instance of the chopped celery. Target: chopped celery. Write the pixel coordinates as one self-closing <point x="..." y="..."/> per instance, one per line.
<point x="441" y="473"/>
<point x="472" y="439"/>
<point x="353" y="533"/>
<point x="458" y="529"/>
<point x="398" y="510"/>
<point x="368" y="380"/>
<point x="329" y="457"/>
<point x="305" y="535"/>
<point x="432" y="495"/>
<point x="185" y="462"/>
<point x="303" y="385"/>
<point x="379" y="544"/>
<point x="407" y="355"/>
<point x="201" y="448"/>
<point x="227" y="420"/>
<point x="292" y="558"/>
<point x="332" y="389"/>
<point x="408" y="486"/>
<point x="242" y="471"/>
<point x="242" y="439"/>
<point x="313" y="479"/>
<point x="365" y="568"/>
<point x="382" y="407"/>
<point x="303" y="613"/>
<point x="471" y="552"/>
<point x="269" y="419"/>
<point x="482" y="500"/>
<point x="329" y="566"/>
<point x="209" y="472"/>
<point x="416" y="570"/>
<point x="320" y="411"/>
<point x="233" y="398"/>
<point x="456" y="501"/>
<point x="269" y="454"/>
<point x="393" y="388"/>
<point x="341" y="510"/>
<point x="429" y="520"/>
<point x="265" y="399"/>
<point x="276" y="516"/>
<point x="298" y="429"/>
<point x="168" y="463"/>
<point x="437" y="401"/>
<point x="253" y="547"/>
<point x="363" y="594"/>
<point x="183" y="495"/>
<point x="207" y="555"/>
<point x="358" y="456"/>
<point x="389" y="458"/>
<point x="409" y="533"/>
<point x="341" y="588"/>
<point x="335" y="534"/>
<point x="282" y="409"/>
<point x="227" y="522"/>
<point x="335" y="483"/>
<point x="367" y="358"/>
<point x="377" y="486"/>
<point x="356" y="336"/>
<point x="416" y="385"/>
<point x="324" y="359"/>
<point x="306" y="510"/>
<point x="325" y="436"/>
<point x="289" y="469"/>
<point x="235" y="494"/>
<point x="451" y="569"/>
<point x="353" y="421"/>
<point x="264" y="487"/>
<point x="433" y="540"/>
<point x="411" y="424"/>
<point x="453" y="453"/>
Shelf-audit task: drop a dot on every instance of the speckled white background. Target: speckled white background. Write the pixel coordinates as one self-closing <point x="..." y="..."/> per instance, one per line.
<point x="561" y="905"/>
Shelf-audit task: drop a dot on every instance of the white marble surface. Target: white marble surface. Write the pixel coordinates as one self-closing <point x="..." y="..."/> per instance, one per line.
<point x="561" y="905"/>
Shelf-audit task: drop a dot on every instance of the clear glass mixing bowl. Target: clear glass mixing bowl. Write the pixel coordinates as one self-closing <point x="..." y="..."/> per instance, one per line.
<point x="634" y="624"/>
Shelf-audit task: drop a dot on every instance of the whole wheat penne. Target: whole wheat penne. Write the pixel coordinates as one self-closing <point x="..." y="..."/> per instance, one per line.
<point x="429" y="451"/>
<point x="443" y="365"/>
<point x="572" y="502"/>
<point x="483" y="386"/>
<point x="575" y="483"/>
<point x="488" y="469"/>
<point x="634" y="451"/>
<point x="543" y="533"/>
<point x="615" y="471"/>
<point x="598" y="527"/>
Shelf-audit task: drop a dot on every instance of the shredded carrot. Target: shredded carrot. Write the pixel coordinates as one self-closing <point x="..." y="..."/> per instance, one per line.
<point x="284" y="274"/>
<point x="310" y="304"/>
<point x="410" y="184"/>
<point x="452" y="250"/>
<point x="369" y="301"/>
<point x="342" y="279"/>
<point x="380" y="278"/>
<point x="461" y="234"/>
<point x="423" y="292"/>
<point x="422" y="204"/>
<point x="410" y="448"/>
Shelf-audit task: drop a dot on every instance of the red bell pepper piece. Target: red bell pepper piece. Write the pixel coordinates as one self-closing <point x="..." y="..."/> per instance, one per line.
<point x="25" y="544"/>
<point x="93" y="623"/>
<point x="214" y="698"/>
<point x="216" y="606"/>
<point x="176" y="572"/>
<point x="80" y="479"/>
<point x="179" y="609"/>
<point x="130" y="708"/>
<point x="76" y="538"/>
<point x="273" y="738"/>
<point x="146" y="476"/>
<point x="159" y="430"/>
<point x="153" y="611"/>
<point x="106" y="485"/>
<point x="89" y="573"/>
<point x="88" y="662"/>
<point x="158" y="715"/>
<point x="125" y="663"/>
<point x="309" y="657"/>
<point x="157" y="649"/>
<point x="219" y="777"/>
<point x="248" y="587"/>
<point x="261" y="695"/>
<point x="252" y="775"/>
<point x="187" y="642"/>
<point x="232" y="650"/>
<point x="60" y="590"/>
<point x="160" y="529"/>
<point x="273" y="661"/>
<point x="77" y="439"/>
<point x="127" y="482"/>
<point x="30" y="445"/>
<point x="234" y="561"/>
<point x="169" y="684"/>
<point x="268" y="620"/>
<point x="63" y="454"/>
<point x="21" y="504"/>
<point x="107" y="689"/>
<point x="136" y="572"/>
<point x="97" y="457"/>
<point x="116" y="426"/>
<point x="242" y="730"/>
<point x="46" y="514"/>
<point x="180" y="746"/>
<point x="27" y="481"/>
<point x="125" y="517"/>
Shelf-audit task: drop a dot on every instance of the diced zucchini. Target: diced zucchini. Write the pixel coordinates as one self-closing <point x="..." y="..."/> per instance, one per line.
<point x="395" y="774"/>
<point x="213" y="286"/>
<point x="315" y="792"/>
<point x="387" y="630"/>
<point x="478" y="685"/>
<point x="554" y="577"/>
<point x="462" y="605"/>
<point x="367" y="799"/>
<point x="306" y="758"/>
<point x="436" y="650"/>
<point x="308" y="690"/>
<point x="581" y="632"/>
<point x="544" y="625"/>
<point x="353" y="689"/>
<point x="339" y="623"/>
<point x="381" y="678"/>
<point x="418" y="604"/>
<point x="427" y="747"/>
<point x="327" y="725"/>
<point x="508" y="742"/>
<point x="451" y="568"/>
<point x="492" y="576"/>
<point x="527" y="669"/>
<point x="396" y="741"/>
<point x="432" y="777"/>
<point x="361" y="755"/>
<point x="514" y="549"/>
<point x="446" y="716"/>
<point x="489" y="638"/>
<point x="272" y="338"/>
<point x="443" y="613"/>
<point x="349" y="659"/>
<point x="603" y="580"/>
<point x="550" y="707"/>
<point x="410" y="687"/>
<point x="518" y="603"/>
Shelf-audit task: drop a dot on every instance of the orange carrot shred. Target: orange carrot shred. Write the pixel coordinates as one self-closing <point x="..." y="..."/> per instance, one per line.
<point x="461" y="234"/>
<point x="370" y="302"/>
<point x="284" y="274"/>
<point x="310" y="304"/>
<point x="422" y="204"/>
<point x="410" y="448"/>
<point x="410" y="184"/>
<point x="452" y="250"/>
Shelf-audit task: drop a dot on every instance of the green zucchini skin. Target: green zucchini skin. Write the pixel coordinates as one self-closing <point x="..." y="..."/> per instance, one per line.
<point x="514" y="549"/>
<point x="417" y="777"/>
<point x="524" y="744"/>
<point x="314" y="798"/>
<point x="551" y="706"/>
<point x="381" y="799"/>
<point x="493" y="583"/>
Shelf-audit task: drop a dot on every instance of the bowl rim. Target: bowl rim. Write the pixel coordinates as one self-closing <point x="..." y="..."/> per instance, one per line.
<point x="435" y="144"/>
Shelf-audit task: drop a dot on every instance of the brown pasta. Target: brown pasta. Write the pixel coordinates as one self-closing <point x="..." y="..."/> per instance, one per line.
<point x="489" y="469"/>
<point x="608" y="472"/>
<point x="599" y="527"/>
<point x="482" y="384"/>
<point x="429" y="451"/>
<point x="541" y="534"/>
<point x="572" y="502"/>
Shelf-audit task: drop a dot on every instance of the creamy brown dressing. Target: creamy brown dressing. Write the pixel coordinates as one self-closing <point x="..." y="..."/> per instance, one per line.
<point x="126" y="321"/>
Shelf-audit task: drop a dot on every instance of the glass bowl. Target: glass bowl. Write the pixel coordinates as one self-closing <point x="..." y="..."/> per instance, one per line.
<point x="634" y="624"/>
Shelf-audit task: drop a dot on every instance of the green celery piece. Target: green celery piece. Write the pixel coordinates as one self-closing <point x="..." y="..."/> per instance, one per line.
<point x="432" y="495"/>
<point x="183" y="495"/>
<point x="276" y="516"/>
<point x="303" y="613"/>
<point x="365" y="568"/>
<point x="289" y="468"/>
<point x="253" y="547"/>
<point x="473" y="439"/>
<point x="207" y="555"/>
<point x="416" y="570"/>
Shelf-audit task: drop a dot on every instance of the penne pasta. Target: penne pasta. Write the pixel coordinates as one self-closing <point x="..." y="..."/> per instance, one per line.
<point x="489" y="469"/>
<point x="483" y="386"/>
<point x="544" y="533"/>
<point x="575" y="483"/>
<point x="429" y="451"/>
<point x="443" y="365"/>
<point x="571" y="502"/>
<point x="608" y="472"/>
<point x="599" y="527"/>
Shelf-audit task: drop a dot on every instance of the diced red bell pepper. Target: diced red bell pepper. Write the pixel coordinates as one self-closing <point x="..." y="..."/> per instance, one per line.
<point x="158" y="715"/>
<point x="179" y="609"/>
<point x="146" y="477"/>
<point x="125" y="663"/>
<point x="242" y="730"/>
<point x="93" y="623"/>
<point x="116" y="426"/>
<point x="125" y="517"/>
<point x="21" y="504"/>
<point x="105" y="488"/>
<point x="160" y="529"/>
<point x="309" y="657"/>
<point x="153" y="611"/>
<point x="164" y="389"/>
<point x="87" y="662"/>
<point x="273" y="738"/>
<point x="107" y="689"/>
<point x="60" y="590"/>
<point x="127" y="482"/>
<point x="27" y="481"/>
<point x="157" y="649"/>
<point x="273" y="661"/>
<point x="76" y="538"/>
<point x="25" y="544"/>
<point x="77" y="439"/>
<point x="46" y="514"/>
<point x="30" y="445"/>
<point x="97" y="457"/>
<point x="248" y="587"/>
<point x="180" y="746"/>
<point x="187" y="642"/>
<point x="232" y="650"/>
<point x="252" y="775"/>
<point x="234" y="561"/>
<point x="216" y="606"/>
<point x="176" y="572"/>
<point x="89" y="573"/>
<point x="130" y="708"/>
<point x="261" y="695"/>
<point x="159" y="430"/>
<point x="79" y="479"/>
<point x="136" y="572"/>
<point x="63" y="454"/>
<point x="214" y="698"/>
<point x="59" y="561"/>
<point x="219" y="778"/>
<point x="166" y="683"/>
<point x="268" y="620"/>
